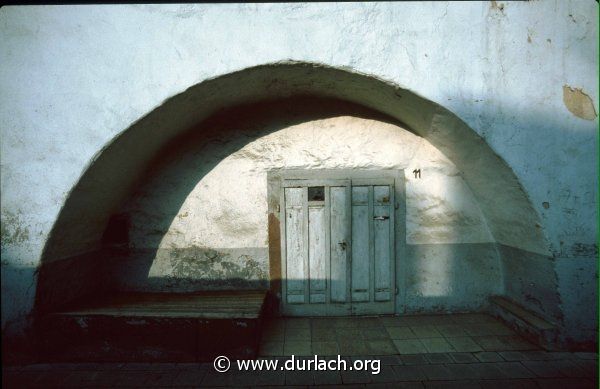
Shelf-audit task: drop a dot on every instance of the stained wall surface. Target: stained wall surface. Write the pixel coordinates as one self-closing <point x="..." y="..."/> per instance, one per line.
<point x="523" y="76"/>
<point x="200" y="221"/>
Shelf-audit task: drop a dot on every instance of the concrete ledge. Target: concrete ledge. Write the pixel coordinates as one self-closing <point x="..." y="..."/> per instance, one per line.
<point x="525" y="322"/>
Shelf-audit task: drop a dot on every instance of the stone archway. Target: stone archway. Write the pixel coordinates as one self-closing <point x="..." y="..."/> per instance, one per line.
<point x="71" y="253"/>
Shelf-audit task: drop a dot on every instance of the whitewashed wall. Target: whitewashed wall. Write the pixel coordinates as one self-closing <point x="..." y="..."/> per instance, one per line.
<point x="523" y="75"/>
<point x="201" y="219"/>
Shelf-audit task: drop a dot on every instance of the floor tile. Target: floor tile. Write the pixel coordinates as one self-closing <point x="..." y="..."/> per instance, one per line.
<point x="438" y="373"/>
<point x="550" y="369"/>
<point x="386" y="374"/>
<point x="414" y="359"/>
<point x="451" y="330"/>
<point x="348" y="334"/>
<point x="478" y="329"/>
<point x="488" y="356"/>
<point x="437" y="345"/>
<point x="461" y="357"/>
<point x="349" y="347"/>
<point x="503" y="343"/>
<point x="369" y="323"/>
<point x="295" y="334"/>
<point x="375" y="334"/>
<point x="437" y="358"/>
<point x="427" y="331"/>
<point x="327" y="377"/>
<point x="355" y="377"/>
<point x="322" y="323"/>
<point x="464" y="344"/>
<point x="297" y="322"/>
<point x="486" y="371"/>
<point x="271" y="377"/>
<point x="429" y="319"/>
<point x="297" y="348"/>
<point x="472" y="318"/>
<point x="513" y="370"/>
<point x="514" y="356"/>
<point x="381" y="347"/>
<point x="298" y="378"/>
<point x="409" y="346"/>
<point x="400" y="333"/>
<point x="323" y="334"/>
<point x="244" y="378"/>
<point x="392" y="359"/>
<point x="409" y="373"/>
<point x="325" y="348"/>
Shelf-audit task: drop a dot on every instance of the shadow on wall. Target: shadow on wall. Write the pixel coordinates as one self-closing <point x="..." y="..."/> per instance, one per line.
<point x="156" y="262"/>
<point x="138" y="256"/>
<point x="117" y="172"/>
<point x="149" y="256"/>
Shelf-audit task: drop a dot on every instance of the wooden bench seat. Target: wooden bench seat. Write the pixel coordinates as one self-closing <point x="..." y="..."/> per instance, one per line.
<point x="155" y="327"/>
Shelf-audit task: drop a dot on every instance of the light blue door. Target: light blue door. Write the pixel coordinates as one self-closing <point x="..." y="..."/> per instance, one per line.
<point x="337" y="247"/>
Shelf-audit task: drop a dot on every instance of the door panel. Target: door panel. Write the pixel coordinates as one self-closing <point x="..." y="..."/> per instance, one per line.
<point x="360" y="244"/>
<point x="382" y="253"/>
<point x="317" y="253"/>
<point x="372" y="250"/>
<point x="296" y="274"/>
<point x="339" y="244"/>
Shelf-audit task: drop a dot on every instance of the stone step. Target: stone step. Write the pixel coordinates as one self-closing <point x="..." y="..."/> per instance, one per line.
<point x="155" y="327"/>
<point x="527" y="323"/>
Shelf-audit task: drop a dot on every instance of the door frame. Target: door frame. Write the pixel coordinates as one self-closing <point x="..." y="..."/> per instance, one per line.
<point x="274" y="205"/>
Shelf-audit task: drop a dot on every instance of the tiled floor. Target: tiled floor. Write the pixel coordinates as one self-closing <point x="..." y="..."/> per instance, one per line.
<point x="389" y="335"/>
<point x="451" y="351"/>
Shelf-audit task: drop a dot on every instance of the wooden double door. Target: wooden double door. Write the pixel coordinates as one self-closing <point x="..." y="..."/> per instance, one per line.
<point x="338" y="247"/>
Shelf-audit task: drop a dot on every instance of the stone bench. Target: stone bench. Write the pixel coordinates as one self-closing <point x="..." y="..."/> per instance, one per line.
<point x="527" y="323"/>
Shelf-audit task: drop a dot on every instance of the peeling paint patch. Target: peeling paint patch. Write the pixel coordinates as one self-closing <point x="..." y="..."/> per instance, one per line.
<point x="498" y="6"/>
<point x="12" y="230"/>
<point x="579" y="103"/>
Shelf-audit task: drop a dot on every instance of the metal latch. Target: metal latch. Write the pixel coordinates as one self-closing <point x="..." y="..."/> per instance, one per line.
<point x="381" y="217"/>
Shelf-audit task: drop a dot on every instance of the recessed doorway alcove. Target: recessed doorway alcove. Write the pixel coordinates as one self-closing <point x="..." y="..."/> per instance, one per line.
<point x="190" y="181"/>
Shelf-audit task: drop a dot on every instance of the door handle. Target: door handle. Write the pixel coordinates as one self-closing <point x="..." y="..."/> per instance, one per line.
<point x="381" y="217"/>
<point x="343" y="244"/>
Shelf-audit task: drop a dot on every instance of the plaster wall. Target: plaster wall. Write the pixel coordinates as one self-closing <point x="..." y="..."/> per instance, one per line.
<point x="522" y="75"/>
<point x="201" y="219"/>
